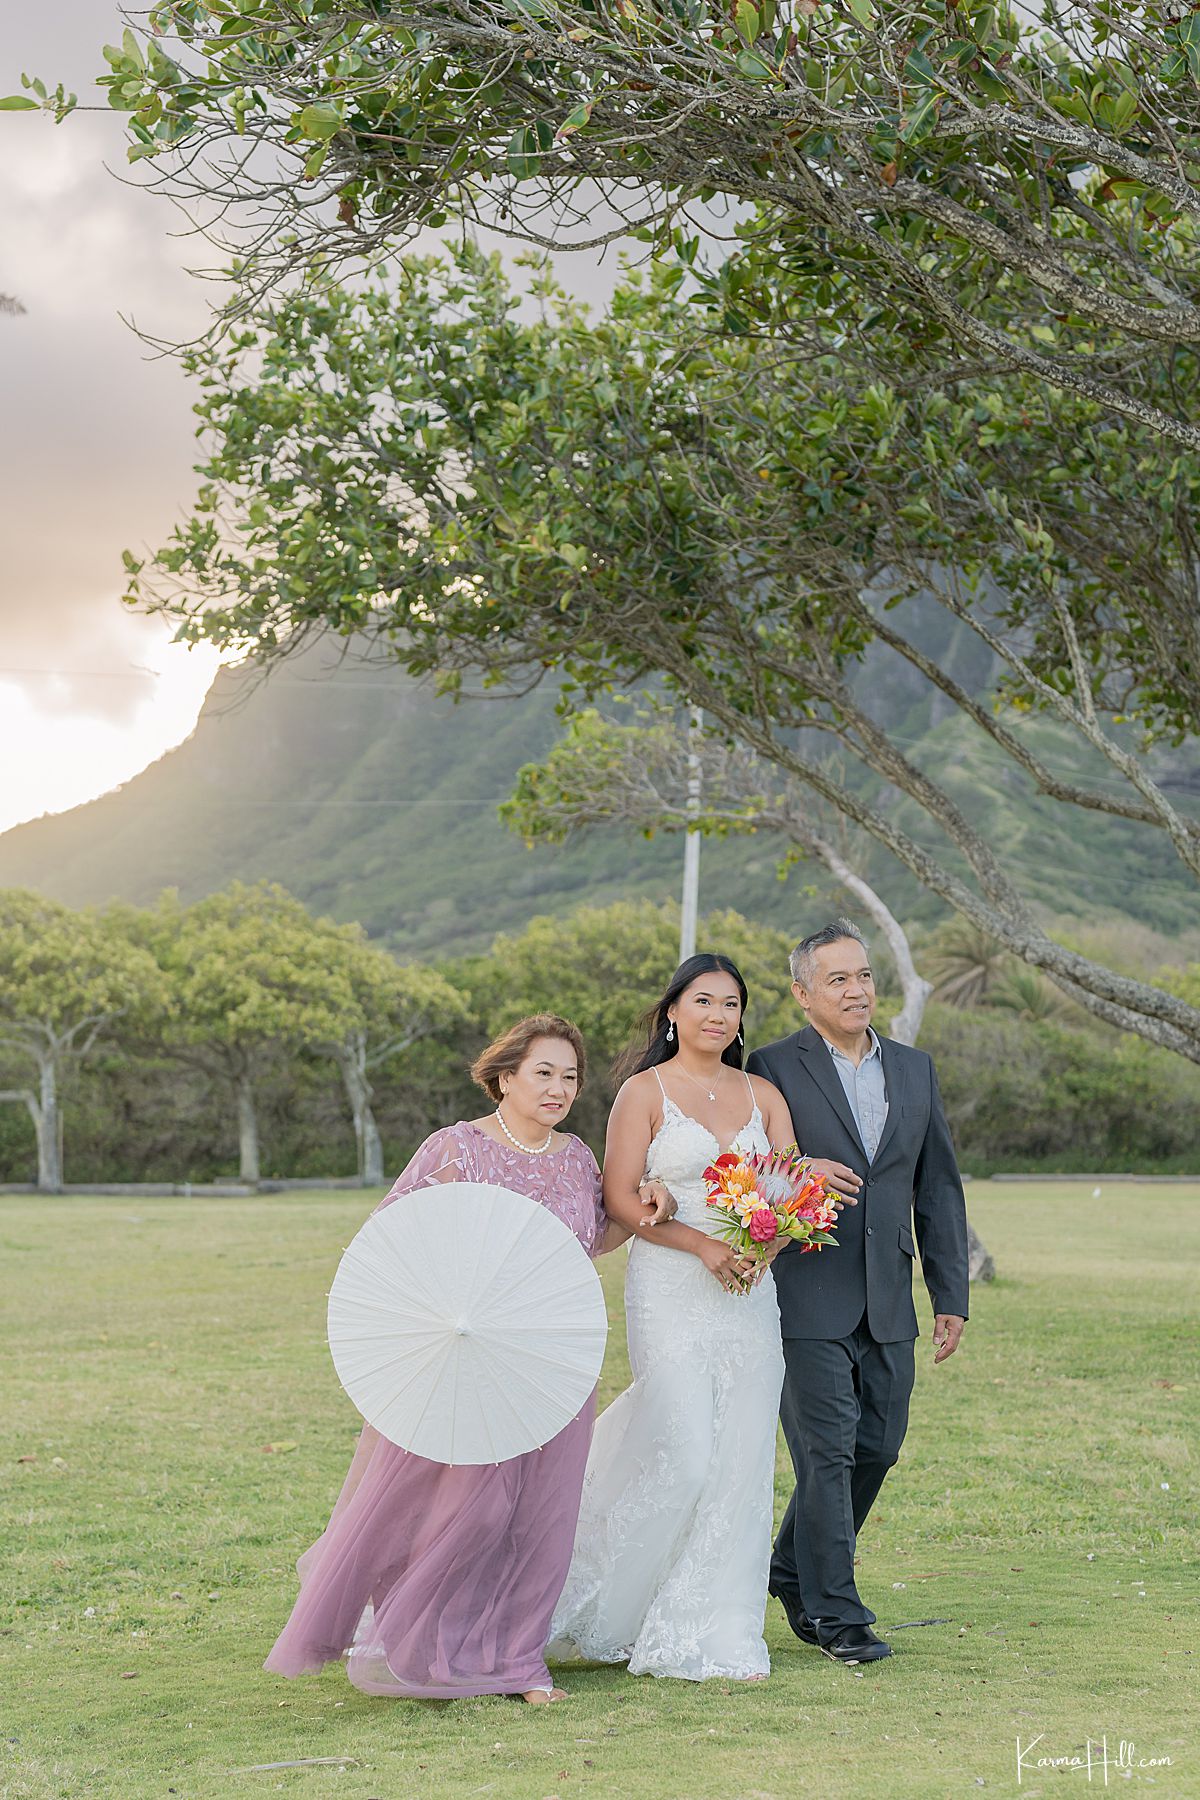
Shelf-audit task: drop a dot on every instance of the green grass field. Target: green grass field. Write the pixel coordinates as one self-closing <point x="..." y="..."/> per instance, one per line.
<point x="1033" y="1556"/>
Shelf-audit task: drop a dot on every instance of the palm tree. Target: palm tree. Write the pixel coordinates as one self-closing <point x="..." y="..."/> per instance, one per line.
<point x="965" y="963"/>
<point x="1028" y="994"/>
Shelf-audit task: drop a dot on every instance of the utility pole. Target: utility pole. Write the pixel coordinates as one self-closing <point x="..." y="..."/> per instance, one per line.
<point x="691" y="843"/>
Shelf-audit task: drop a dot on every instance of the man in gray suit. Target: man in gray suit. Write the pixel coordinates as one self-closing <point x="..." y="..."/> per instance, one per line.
<point x="849" y="1327"/>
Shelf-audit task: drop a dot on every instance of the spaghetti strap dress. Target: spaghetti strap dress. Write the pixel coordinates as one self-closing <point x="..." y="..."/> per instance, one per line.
<point x="673" y="1546"/>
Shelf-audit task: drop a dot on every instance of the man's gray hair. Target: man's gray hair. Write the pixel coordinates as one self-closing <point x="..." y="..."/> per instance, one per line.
<point x="801" y="959"/>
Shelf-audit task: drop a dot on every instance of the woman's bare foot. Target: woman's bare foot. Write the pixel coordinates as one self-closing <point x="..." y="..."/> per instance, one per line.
<point x="539" y="1696"/>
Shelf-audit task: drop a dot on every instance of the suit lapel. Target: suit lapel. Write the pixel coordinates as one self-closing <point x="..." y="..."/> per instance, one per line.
<point x="817" y="1063"/>
<point x="893" y="1077"/>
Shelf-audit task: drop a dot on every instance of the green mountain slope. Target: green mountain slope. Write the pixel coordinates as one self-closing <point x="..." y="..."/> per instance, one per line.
<point x="369" y="799"/>
<point x="372" y="800"/>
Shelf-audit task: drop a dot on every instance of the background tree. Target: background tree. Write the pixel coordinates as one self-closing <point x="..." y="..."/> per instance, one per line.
<point x="254" y="980"/>
<point x="1022" y="1092"/>
<point x="941" y="157"/>
<point x="627" y="500"/>
<point x="965" y="963"/>
<point x="604" y="967"/>
<point x="636" y="775"/>
<point x="970" y="970"/>
<point x="397" y="1006"/>
<point x="1028" y="994"/>
<point x="66" y="979"/>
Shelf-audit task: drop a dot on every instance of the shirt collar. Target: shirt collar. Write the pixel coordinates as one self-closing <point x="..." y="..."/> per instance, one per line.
<point x="873" y="1051"/>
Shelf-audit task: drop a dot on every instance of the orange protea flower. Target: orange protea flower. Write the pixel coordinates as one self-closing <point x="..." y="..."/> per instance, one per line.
<point x="759" y="1197"/>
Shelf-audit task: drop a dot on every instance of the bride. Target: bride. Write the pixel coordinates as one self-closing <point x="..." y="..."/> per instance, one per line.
<point x="672" y="1550"/>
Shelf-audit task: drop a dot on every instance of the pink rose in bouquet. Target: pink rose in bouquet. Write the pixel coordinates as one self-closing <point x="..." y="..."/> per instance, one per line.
<point x="763" y="1226"/>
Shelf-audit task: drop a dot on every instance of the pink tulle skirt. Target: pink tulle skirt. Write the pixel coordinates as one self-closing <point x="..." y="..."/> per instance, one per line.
<point x="437" y="1582"/>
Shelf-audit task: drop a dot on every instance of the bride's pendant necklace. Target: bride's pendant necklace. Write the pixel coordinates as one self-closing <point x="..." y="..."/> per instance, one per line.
<point x="529" y="1149"/>
<point x="696" y="1081"/>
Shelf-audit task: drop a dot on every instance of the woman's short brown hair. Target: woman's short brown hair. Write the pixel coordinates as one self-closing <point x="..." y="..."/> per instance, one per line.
<point x="510" y="1049"/>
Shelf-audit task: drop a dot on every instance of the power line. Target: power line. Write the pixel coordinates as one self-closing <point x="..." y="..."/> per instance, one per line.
<point x="139" y="674"/>
<point x="225" y="801"/>
<point x="1098" y="778"/>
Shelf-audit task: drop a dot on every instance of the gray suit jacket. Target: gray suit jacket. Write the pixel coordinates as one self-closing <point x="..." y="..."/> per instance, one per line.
<point x="911" y="1184"/>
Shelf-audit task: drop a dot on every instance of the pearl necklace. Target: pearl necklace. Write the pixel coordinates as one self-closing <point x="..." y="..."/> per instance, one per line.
<point x="529" y="1149"/>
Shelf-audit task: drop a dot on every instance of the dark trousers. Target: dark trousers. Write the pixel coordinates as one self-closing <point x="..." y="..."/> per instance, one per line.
<point x="844" y="1411"/>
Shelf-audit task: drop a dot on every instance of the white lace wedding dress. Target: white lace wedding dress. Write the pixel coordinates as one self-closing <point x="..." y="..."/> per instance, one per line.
<point x="669" y="1569"/>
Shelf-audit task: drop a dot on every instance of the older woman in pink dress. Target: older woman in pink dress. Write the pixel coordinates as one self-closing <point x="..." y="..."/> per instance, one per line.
<point x="437" y="1582"/>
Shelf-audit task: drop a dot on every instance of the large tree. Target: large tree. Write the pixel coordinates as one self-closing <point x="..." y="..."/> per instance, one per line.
<point x="255" y="980"/>
<point x="66" y="980"/>
<point x="397" y="1007"/>
<point x="943" y="156"/>
<point x="603" y="966"/>
<point x="630" y="499"/>
<point x="640" y="776"/>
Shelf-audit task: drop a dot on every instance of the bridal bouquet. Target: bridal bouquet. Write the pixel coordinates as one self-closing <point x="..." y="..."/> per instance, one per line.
<point x="758" y="1198"/>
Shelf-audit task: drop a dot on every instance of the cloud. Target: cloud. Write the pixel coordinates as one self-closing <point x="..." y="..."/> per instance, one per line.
<point x="98" y="449"/>
<point x="56" y="752"/>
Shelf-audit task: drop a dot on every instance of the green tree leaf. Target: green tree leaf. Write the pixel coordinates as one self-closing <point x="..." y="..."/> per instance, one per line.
<point x="576" y="119"/>
<point x="320" y="121"/>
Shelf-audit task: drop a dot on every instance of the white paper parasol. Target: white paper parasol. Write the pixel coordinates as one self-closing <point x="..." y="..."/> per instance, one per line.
<point x="467" y="1323"/>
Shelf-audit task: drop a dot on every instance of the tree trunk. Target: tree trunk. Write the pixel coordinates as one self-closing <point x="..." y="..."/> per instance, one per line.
<point x="981" y="1264"/>
<point x="352" y="1060"/>
<point x="371" y="1154"/>
<point x="47" y="1125"/>
<point x="248" y="1165"/>
<point x="915" y="989"/>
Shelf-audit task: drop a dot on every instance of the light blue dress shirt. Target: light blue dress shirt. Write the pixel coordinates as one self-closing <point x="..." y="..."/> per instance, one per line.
<point x="866" y="1091"/>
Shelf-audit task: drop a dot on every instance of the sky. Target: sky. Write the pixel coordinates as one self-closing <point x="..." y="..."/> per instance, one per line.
<point x="97" y="446"/>
<point x="96" y="451"/>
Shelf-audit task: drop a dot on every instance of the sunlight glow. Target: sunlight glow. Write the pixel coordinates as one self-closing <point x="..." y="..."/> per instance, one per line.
<point x="52" y="760"/>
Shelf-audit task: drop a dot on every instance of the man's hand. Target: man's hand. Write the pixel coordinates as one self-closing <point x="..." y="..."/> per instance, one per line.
<point x="841" y="1180"/>
<point x="947" y="1329"/>
<point x="659" y="1201"/>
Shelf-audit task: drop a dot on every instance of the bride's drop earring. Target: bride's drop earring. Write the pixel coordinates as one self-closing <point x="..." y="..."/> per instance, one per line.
<point x="671" y="1032"/>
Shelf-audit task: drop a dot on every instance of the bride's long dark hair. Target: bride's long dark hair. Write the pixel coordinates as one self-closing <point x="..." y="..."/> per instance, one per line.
<point x="653" y="1025"/>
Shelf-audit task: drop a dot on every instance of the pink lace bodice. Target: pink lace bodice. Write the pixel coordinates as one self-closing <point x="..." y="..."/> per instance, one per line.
<point x="566" y="1181"/>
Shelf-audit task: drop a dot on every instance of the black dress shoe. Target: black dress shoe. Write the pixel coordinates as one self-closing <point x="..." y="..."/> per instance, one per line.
<point x="797" y="1618"/>
<point x="855" y="1643"/>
